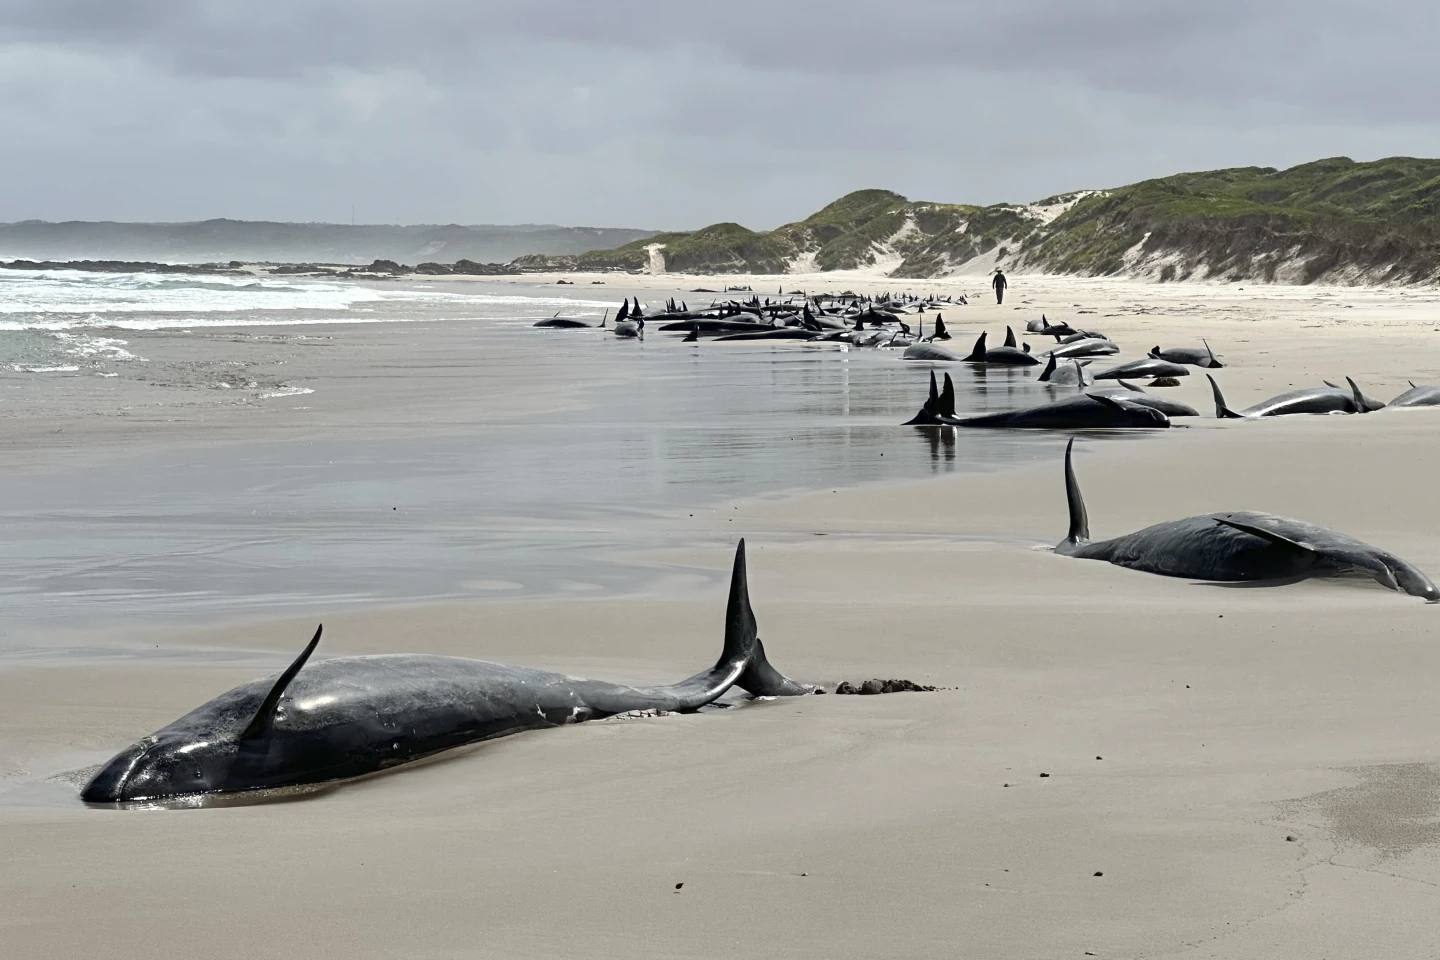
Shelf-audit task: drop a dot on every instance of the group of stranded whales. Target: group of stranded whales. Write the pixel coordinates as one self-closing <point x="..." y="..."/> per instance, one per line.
<point x="335" y="720"/>
<point x="338" y="719"/>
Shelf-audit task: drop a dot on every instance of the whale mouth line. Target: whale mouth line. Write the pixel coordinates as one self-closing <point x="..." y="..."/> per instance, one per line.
<point x="209" y="799"/>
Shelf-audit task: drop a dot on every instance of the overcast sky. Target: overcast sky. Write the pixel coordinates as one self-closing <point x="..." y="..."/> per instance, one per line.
<point x="674" y="114"/>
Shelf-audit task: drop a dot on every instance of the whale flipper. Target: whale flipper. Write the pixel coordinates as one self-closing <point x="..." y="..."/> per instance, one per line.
<point x="265" y="716"/>
<point x="1270" y="535"/>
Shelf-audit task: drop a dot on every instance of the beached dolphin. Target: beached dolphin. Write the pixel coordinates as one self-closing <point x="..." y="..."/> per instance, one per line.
<point x="1310" y="400"/>
<point x="1149" y="367"/>
<point x="343" y="718"/>
<point x="1418" y="397"/>
<point x="1237" y="546"/>
<point x="1087" y="347"/>
<point x="1195" y="356"/>
<point x="1006" y="356"/>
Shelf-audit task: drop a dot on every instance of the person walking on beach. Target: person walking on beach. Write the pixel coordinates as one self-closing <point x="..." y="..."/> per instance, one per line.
<point x="999" y="283"/>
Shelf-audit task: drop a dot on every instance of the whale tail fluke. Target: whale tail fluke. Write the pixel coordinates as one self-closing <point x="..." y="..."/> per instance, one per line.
<point x="946" y="407"/>
<point x="978" y="354"/>
<point x="927" y="417"/>
<point x="742" y="641"/>
<point x="1079" y="519"/>
<point x="1222" y="412"/>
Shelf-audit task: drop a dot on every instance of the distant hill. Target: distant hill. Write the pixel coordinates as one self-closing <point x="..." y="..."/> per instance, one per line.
<point x="863" y="229"/>
<point x="224" y="240"/>
<point x="1335" y="220"/>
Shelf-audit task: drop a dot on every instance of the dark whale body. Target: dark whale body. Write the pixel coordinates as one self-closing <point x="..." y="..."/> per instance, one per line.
<point x="772" y="333"/>
<point x="1237" y="546"/>
<point x="1194" y="356"/>
<point x="1310" y="400"/>
<point x="350" y="716"/>
<point x="1087" y="410"/>
<point x="1008" y="355"/>
<point x="1171" y="408"/>
<point x="1149" y="367"/>
<point x="1418" y="397"/>
<point x="1085" y="347"/>
<point x="562" y="323"/>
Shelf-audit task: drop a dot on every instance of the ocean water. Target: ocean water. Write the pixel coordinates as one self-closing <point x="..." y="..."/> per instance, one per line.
<point x="528" y="506"/>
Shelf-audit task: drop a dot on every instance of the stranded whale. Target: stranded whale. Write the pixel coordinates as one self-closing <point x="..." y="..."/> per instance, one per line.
<point x="350" y="716"/>
<point x="1237" y="546"/>
<point x="1325" y="399"/>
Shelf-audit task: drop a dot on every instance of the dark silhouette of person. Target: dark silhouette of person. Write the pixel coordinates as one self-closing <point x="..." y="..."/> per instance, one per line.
<point x="999" y="283"/>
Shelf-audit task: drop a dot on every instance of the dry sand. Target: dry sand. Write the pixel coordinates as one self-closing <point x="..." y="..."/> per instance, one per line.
<point x="1229" y="719"/>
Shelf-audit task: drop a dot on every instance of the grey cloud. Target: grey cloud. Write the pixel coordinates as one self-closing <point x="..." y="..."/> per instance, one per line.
<point x="1288" y="51"/>
<point x="676" y="114"/>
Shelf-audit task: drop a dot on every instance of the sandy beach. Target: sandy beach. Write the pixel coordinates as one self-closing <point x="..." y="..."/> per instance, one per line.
<point x="1118" y="764"/>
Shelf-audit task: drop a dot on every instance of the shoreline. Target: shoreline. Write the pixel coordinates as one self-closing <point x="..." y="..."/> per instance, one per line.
<point x="1186" y="730"/>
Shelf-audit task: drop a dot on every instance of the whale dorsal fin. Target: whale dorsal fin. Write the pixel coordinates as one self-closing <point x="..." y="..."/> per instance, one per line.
<point x="1010" y="337"/>
<point x="1214" y="361"/>
<point x="1357" y="397"/>
<point x="1079" y="519"/>
<point x="1263" y="534"/>
<point x="1027" y="348"/>
<point x="978" y="354"/>
<point x="265" y="716"/>
<point x="934" y="391"/>
<point x="1222" y="412"/>
<point x="1155" y="351"/>
<point x="1049" y="370"/>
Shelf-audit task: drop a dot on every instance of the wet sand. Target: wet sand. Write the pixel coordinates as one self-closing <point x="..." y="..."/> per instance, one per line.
<point x="1228" y="718"/>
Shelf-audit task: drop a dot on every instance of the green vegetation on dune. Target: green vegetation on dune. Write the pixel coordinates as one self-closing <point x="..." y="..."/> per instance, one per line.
<point x="1333" y="218"/>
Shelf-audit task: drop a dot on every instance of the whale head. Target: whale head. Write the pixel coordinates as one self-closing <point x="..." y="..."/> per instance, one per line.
<point x="163" y="766"/>
<point x="224" y="746"/>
